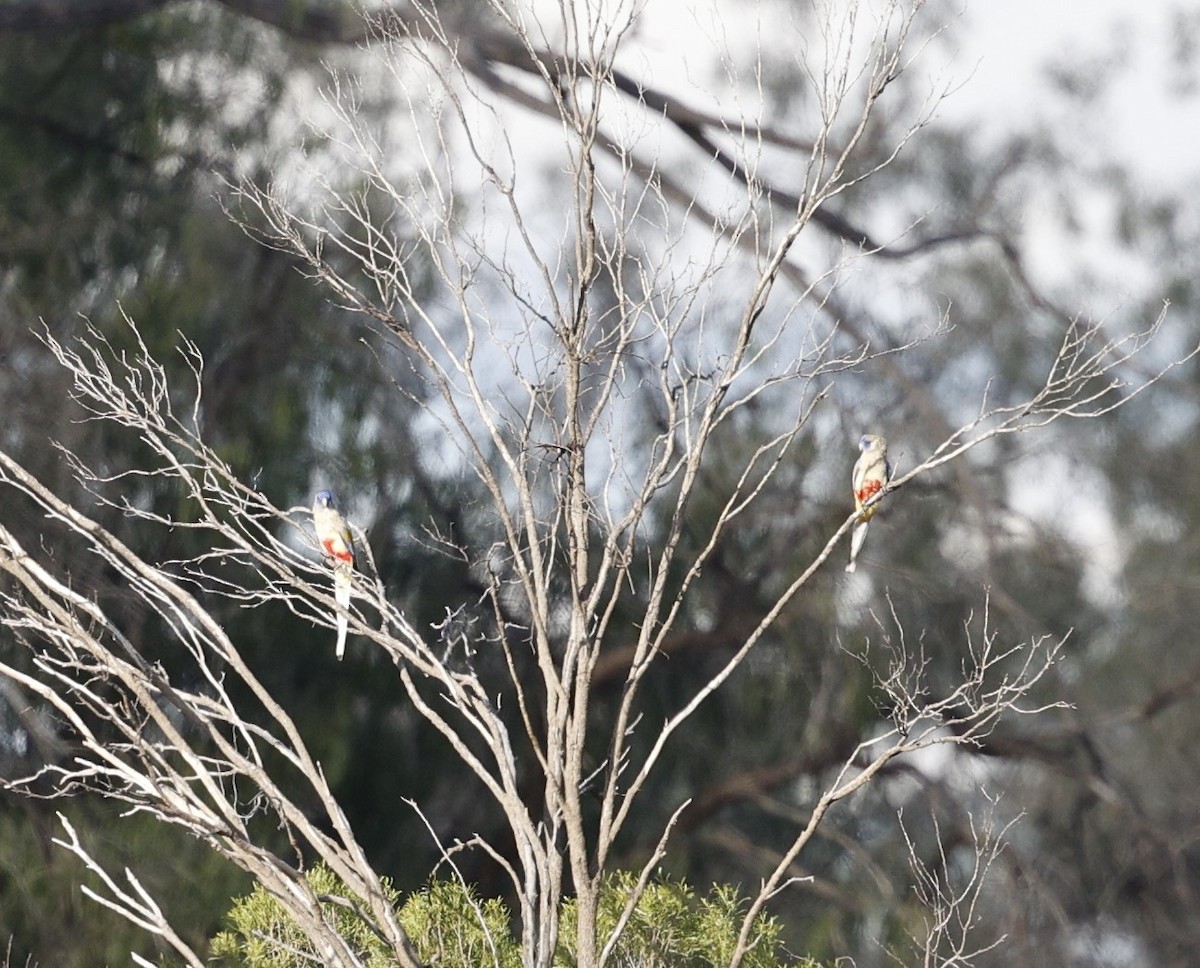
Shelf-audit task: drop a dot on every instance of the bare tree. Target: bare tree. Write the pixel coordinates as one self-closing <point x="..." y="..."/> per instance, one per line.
<point x="593" y="338"/>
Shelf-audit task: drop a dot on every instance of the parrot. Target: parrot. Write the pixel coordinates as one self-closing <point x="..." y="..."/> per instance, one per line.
<point x="871" y="472"/>
<point x="334" y="535"/>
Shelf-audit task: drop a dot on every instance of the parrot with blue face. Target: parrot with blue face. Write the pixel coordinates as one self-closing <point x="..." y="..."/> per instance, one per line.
<point x="871" y="473"/>
<point x="334" y="536"/>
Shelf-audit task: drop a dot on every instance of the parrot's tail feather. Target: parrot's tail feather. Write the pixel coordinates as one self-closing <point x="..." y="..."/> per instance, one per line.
<point x="343" y="626"/>
<point x="342" y="582"/>
<point x="857" y="537"/>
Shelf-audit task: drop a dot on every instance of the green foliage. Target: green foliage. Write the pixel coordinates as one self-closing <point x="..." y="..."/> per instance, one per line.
<point x="448" y="923"/>
<point x="672" y="927"/>
<point x="262" y="934"/>
<point x="452" y="927"/>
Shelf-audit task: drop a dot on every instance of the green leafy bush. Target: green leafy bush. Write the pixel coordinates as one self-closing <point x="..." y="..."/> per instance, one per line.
<point x="671" y="927"/>
<point x="451" y="927"/>
<point x="263" y="935"/>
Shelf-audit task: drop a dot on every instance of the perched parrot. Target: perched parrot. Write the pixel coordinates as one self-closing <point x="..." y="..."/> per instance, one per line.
<point x="334" y="536"/>
<point x="871" y="472"/>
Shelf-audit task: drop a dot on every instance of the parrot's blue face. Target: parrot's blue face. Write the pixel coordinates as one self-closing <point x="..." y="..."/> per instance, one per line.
<point x="866" y="442"/>
<point x="325" y="499"/>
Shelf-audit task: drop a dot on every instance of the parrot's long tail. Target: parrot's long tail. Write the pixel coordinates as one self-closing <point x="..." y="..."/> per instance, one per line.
<point x="857" y="537"/>
<point x="341" y="594"/>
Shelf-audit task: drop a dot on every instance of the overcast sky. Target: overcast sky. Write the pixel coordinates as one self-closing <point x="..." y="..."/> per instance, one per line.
<point x="1151" y="115"/>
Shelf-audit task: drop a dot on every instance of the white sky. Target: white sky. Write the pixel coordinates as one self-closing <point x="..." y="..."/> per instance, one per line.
<point x="1143" y="119"/>
<point x="1004" y="49"/>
